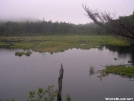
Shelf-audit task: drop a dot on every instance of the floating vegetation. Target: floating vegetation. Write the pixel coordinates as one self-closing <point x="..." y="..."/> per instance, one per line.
<point x="27" y="53"/>
<point x="124" y="71"/>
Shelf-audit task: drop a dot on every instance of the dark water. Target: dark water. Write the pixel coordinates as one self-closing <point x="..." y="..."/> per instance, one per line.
<point x="19" y="75"/>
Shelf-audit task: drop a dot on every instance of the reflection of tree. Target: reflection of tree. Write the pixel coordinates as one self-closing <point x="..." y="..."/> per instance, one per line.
<point x="60" y="83"/>
<point x="100" y="48"/>
<point x="122" y="50"/>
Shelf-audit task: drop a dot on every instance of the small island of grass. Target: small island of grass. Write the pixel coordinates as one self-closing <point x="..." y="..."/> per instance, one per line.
<point x="124" y="71"/>
<point x="27" y="53"/>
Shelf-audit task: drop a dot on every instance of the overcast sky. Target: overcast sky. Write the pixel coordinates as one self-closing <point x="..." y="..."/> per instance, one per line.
<point x="61" y="10"/>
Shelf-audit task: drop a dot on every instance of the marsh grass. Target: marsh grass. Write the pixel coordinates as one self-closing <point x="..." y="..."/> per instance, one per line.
<point x="3" y="44"/>
<point x="27" y="53"/>
<point x="125" y="71"/>
<point x="91" y="70"/>
<point x="55" y="43"/>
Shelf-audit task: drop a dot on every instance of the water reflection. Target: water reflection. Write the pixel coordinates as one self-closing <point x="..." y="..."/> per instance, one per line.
<point x="100" y="77"/>
<point x="122" y="51"/>
<point x="100" y="48"/>
<point x="17" y="74"/>
<point x="61" y="72"/>
<point x="100" y="74"/>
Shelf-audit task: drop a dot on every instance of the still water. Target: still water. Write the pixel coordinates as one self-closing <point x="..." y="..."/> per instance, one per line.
<point x="19" y="75"/>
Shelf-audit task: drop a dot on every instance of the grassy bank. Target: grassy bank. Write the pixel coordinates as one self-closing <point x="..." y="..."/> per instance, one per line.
<point x="55" y="43"/>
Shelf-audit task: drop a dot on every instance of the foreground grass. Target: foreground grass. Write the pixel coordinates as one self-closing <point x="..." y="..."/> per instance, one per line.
<point x="48" y="94"/>
<point x="58" y="42"/>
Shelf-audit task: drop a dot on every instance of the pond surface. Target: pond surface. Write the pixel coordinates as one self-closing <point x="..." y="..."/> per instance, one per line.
<point x="19" y="75"/>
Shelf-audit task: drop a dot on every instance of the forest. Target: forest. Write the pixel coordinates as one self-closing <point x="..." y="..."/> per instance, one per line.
<point x="49" y="28"/>
<point x="42" y="27"/>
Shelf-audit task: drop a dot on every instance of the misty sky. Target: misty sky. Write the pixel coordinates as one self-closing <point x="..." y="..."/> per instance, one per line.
<point x="61" y="10"/>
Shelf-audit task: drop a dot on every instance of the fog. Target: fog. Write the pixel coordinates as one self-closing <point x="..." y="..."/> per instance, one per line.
<point x="61" y="10"/>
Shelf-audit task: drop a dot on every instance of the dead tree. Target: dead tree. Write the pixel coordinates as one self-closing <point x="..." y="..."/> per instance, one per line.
<point x="123" y="27"/>
<point x="61" y="72"/>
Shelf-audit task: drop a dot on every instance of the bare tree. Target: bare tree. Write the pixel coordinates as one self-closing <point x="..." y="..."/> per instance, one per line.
<point x="123" y="27"/>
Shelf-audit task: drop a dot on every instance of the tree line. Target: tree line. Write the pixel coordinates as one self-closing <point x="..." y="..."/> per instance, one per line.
<point x="48" y="28"/>
<point x="123" y="26"/>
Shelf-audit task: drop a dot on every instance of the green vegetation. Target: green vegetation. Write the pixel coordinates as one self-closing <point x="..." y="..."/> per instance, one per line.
<point x="48" y="94"/>
<point x="27" y="53"/>
<point x="68" y="98"/>
<point x="43" y="95"/>
<point x="61" y="28"/>
<point x="56" y="43"/>
<point x="125" y="71"/>
<point x="91" y="70"/>
<point x="47" y="36"/>
<point x="48" y="28"/>
<point x="3" y="44"/>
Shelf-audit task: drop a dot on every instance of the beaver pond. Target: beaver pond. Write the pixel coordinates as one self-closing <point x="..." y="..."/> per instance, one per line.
<point x="19" y="75"/>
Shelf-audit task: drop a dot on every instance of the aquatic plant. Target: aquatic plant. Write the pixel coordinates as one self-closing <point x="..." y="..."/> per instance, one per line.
<point x="103" y="73"/>
<point x="124" y="71"/>
<point x="91" y="70"/>
<point x="27" y="53"/>
<point x="19" y="53"/>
